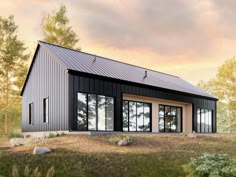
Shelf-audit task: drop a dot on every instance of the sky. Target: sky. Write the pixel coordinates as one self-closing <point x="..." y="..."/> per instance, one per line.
<point x="187" y="38"/>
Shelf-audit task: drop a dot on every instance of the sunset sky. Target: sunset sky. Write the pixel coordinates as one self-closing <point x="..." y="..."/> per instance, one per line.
<point x="187" y="38"/>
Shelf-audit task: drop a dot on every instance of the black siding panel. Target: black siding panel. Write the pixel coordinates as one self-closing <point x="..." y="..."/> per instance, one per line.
<point x="115" y="88"/>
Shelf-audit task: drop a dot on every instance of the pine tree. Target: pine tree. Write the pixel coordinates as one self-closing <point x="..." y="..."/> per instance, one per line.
<point x="56" y="29"/>
<point x="12" y="66"/>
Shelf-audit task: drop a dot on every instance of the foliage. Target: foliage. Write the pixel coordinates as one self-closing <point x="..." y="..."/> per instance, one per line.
<point x="15" y="135"/>
<point x="53" y="135"/>
<point x="223" y="86"/>
<point x="184" y="134"/>
<point x="13" y="61"/>
<point x="56" y="29"/>
<point x="116" y="139"/>
<point x="151" y="155"/>
<point x="33" y="173"/>
<point x="211" y="165"/>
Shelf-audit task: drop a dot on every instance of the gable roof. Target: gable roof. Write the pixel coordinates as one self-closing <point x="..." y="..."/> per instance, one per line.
<point x="97" y="65"/>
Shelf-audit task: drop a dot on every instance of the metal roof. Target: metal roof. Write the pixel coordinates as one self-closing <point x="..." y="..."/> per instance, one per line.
<point x="88" y="63"/>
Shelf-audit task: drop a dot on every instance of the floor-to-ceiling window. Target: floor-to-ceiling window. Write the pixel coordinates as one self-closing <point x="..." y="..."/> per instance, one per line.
<point x="204" y="120"/>
<point x="170" y="118"/>
<point x="136" y="116"/>
<point x="95" y="112"/>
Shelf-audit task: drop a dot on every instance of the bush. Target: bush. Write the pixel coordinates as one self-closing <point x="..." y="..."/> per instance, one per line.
<point x="15" y="135"/>
<point x="116" y="139"/>
<point x="211" y="165"/>
<point x="55" y="134"/>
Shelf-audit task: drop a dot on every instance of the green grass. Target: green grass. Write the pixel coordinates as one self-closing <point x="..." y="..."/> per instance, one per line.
<point x="95" y="156"/>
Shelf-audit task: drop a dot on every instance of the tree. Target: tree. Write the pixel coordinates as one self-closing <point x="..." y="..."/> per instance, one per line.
<point x="12" y="66"/>
<point x="223" y="86"/>
<point x="56" y="29"/>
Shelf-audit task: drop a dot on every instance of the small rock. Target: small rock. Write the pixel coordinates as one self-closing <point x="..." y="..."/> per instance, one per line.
<point x="192" y="135"/>
<point x="123" y="142"/>
<point x="17" y="142"/>
<point x="41" y="150"/>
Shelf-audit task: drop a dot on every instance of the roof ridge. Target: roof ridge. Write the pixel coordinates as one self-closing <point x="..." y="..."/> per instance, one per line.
<point x="108" y="58"/>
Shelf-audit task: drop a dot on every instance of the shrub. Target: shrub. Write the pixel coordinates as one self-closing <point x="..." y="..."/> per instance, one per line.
<point x="15" y="135"/>
<point x="184" y="134"/>
<point x="116" y="139"/>
<point x="211" y="165"/>
<point x="52" y="135"/>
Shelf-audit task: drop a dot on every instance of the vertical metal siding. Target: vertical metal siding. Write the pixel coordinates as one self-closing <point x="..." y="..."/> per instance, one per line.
<point x="48" y="78"/>
<point x="116" y="88"/>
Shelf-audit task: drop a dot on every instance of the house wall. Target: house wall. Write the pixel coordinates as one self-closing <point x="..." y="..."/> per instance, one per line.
<point x="186" y="110"/>
<point x="83" y="82"/>
<point x="47" y="78"/>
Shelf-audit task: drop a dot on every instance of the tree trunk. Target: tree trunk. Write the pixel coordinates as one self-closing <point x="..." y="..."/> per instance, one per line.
<point x="6" y="123"/>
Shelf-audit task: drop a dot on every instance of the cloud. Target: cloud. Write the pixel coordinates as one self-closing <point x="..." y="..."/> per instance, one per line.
<point x="166" y="27"/>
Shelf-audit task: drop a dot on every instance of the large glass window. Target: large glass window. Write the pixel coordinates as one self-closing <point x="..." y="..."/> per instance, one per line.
<point x="204" y="120"/>
<point x="136" y="116"/>
<point x="95" y="112"/>
<point x="170" y="118"/>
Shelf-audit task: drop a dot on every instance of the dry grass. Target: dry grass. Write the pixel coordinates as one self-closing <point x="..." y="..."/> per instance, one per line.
<point x="148" y="155"/>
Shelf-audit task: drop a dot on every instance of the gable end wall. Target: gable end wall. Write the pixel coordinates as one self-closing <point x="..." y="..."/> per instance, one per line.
<point x="48" y="78"/>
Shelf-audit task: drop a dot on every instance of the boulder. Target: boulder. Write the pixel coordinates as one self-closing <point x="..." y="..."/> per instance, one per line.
<point x="41" y="150"/>
<point x="17" y="142"/>
<point x="123" y="142"/>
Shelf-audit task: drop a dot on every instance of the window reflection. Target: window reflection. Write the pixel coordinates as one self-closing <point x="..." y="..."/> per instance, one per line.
<point x="82" y="111"/>
<point x="204" y="120"/>
<point x="95" y="112"/>
<point x="136" y="116"/>
<point x="170" y="118"/>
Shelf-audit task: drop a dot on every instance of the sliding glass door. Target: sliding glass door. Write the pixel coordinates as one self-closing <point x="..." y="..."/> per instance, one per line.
<point x="95" y="112"/>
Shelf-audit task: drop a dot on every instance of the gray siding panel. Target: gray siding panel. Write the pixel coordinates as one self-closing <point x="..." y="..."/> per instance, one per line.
<point x="48" y="78"/>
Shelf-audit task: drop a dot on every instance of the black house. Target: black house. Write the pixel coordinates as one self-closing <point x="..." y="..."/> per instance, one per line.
<point x="69" y="90"/>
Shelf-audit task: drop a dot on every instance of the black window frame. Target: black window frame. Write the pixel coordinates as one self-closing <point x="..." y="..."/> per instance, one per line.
<point x="201" y="111"/>
<point x="150" y="128"/>
<point x="45" y="115"/>
<point x="31" y="113"/>
<point x="87" y="113"/>
<point x="181" y="118"/>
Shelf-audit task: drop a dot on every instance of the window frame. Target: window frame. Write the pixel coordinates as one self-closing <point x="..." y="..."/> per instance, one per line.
<point x="177" y="123"/>
<point x="45" y="108"/>
<point x="87" y="113"/>
<point x="210" y="127"/>
<point x="31" y="113"/>
<point x="128" y="115"/>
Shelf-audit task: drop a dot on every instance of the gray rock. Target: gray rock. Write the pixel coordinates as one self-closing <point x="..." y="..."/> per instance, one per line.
<point x="123" y="142"/>
<point x="41" y="150"/>
<point x="17" y="142"/>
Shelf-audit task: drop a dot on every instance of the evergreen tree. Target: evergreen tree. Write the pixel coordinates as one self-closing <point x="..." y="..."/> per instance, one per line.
<point x="12" y="67"/>
<point x="56" y="29"/>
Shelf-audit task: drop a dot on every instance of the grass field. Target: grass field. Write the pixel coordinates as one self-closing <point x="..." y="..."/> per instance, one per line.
<point x="150" y="155"/>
